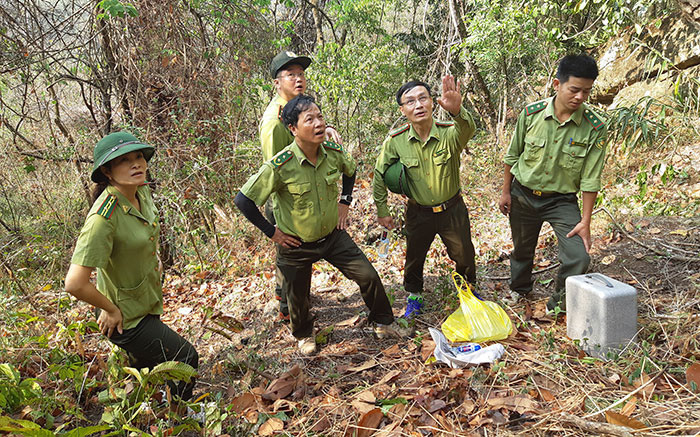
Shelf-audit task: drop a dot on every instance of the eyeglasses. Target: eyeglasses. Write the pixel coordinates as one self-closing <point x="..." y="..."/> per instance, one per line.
<point x="292" y="76"/>
<point x="412" y="102"/>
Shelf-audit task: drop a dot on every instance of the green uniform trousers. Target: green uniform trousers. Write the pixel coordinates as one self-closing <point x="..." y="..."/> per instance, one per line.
<point x="453" y="226"/>
<point x="279" y="294"/>
<point x="152" y="342"/>
<point x="340" y="250"/>
<point x="528" y="212"/>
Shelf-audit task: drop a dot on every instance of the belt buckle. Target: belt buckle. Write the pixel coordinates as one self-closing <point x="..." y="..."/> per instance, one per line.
<point x="537" y="193"/>
<point x="439" y="208"/>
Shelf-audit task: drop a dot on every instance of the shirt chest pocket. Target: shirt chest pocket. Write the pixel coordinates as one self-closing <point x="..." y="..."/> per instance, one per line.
<point x="534" y="149"/>
<point x="301" y="194"/>
<point x="441" y="160"/>
<point x="332" y="184"/>
<point x="573" y="155"/>
<point x="412" y="165"/>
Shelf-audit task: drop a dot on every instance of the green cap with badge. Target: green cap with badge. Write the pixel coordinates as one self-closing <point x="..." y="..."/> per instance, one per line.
<point x="113" y="146"/>
<point x="286" y="58"/>
<point x="396" y="179"/>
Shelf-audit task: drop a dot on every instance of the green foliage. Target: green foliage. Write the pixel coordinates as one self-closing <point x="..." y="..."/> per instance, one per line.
<point x="634" y="125"/>
<point x="116" y="9"/>
<point x="15" y="391"/>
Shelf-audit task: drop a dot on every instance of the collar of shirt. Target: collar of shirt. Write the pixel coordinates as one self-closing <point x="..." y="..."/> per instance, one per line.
<point x="434" y="133"/>
<point x="299" y="154"/>
<point x="279" y="100"/>
<point x="124" y="203"/>
<point x="576" y="117"/>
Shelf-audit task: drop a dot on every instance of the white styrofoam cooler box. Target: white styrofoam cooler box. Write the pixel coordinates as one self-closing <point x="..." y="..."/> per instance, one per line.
<point x="600" y="312"/>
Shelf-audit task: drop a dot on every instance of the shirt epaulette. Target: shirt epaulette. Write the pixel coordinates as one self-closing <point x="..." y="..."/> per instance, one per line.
<point x="536" y="107"/>
<point x="444" y="123"/>
<point x="399" y="130"/>
<point x="107" y="208"/>
<point x="282" y="158"/>
<point x="332" y="146"/>
<point x="593" y="118"/>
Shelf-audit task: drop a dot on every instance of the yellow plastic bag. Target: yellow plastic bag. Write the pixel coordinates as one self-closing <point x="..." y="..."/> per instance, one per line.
<point x="475" y="320"/>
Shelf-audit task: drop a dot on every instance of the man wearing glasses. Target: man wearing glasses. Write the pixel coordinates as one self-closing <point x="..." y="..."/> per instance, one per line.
<point x="287" y="70"/>
<point x="429" y="153"/>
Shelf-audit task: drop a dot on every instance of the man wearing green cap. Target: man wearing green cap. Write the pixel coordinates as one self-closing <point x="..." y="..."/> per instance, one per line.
<point x="557" y="150"/>
<point x="287" y="71"/>
<point x="421" y="159"/>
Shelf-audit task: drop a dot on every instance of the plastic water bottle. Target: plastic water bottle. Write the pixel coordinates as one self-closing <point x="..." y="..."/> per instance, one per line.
<point x="465" y="348"/>
<point x="383" y="245"/>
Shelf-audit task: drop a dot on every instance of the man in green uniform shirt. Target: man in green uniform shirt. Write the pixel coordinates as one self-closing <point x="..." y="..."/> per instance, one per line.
<point x="430" y="150"/>
<point x="287" y="71"/>
<point x="557" y="150"/>
<point x="311" y="221"/>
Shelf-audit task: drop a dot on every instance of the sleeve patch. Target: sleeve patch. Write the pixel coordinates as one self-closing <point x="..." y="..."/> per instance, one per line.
<point x="281" y="159"/>
<point x="444" y="123"/>
<point x="536" y="107"/>
<point x="593" y="119"/>
<point x="108" y="206"/>
<point x="399" y="130"/>
<point x="332" y="146"/>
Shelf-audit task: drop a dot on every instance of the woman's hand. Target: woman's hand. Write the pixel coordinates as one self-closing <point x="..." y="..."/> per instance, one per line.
<point x="109" y="321"/>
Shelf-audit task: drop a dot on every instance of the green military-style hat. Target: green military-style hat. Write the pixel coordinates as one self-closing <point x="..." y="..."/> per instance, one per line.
<point x="115" y="145"/>
<point x="396" y="179"/>
<point x="286" y="58"/>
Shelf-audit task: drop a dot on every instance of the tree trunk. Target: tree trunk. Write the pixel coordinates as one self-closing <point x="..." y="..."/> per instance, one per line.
<point x="317" y="23"/>
<point x="482" y="101"/>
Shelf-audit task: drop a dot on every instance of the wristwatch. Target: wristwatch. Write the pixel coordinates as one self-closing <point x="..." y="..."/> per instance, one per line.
<point x="345" y="199"/>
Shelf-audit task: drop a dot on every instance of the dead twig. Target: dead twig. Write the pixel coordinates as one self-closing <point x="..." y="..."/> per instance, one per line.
<point x="596" y="427"/>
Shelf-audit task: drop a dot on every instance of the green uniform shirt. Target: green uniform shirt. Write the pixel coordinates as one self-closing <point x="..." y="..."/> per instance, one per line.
<point x="307" y="196"/>
<point x="121" y="243"/>
<point x="550" y="156"/>
<point x="432" y="167"/>
<point x="274" y="135"/>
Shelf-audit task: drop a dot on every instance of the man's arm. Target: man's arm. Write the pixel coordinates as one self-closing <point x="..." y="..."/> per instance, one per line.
<point x="515" y="149"/>
<point x="504" y="203"/>
<point x="451" y="101"/>
<point x="387" y="156"/>
<point x="583" y="228"/>
<point x="252" y="213"/>
<point x="344" y="207"/>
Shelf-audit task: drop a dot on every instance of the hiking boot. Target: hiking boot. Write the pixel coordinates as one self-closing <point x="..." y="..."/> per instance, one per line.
<point x="307" y="346"/>
<point x="414" y="306"/>
<point x="392" y="331"/>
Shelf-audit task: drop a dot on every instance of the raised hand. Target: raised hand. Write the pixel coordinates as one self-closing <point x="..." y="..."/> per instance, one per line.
<point x="451" y="99"/>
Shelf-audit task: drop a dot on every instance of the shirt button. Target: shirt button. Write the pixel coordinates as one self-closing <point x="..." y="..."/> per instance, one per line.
<point x="427" y="174"/>
<point x="156" y="269"/>
<point x="151" y="238"/>
<point x="144" y="223"/>
<point x="153" y="253"/>
<point x="155" y="224"/>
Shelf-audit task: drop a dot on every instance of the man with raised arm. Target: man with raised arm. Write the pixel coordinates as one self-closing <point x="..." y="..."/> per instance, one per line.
<point x="557" y="150"/>
<point x="427" y="153"/>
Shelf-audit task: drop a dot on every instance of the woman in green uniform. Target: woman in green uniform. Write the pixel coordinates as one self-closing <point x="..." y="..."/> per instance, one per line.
<point x="120" y="240"/>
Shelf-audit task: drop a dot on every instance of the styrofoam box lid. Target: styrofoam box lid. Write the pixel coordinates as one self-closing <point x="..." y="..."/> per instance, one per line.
<point x="599" y="283"/>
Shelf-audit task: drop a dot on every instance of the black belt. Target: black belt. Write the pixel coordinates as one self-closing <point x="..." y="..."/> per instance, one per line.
<point x="317" y="242"/>
<point x="441" y="207"/>
<point x="537" y="193"/>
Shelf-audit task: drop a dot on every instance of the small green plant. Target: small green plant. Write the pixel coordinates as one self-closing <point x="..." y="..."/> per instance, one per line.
<point x="15" y="391"/>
